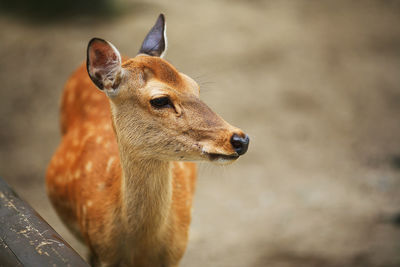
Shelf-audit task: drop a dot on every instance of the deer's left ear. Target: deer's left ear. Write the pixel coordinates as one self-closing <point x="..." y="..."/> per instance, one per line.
<point x="155" y="43"/>
<point x="103" y="64"/>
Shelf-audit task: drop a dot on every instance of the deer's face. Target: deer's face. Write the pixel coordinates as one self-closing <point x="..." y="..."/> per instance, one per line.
<point x="156" y="110"/>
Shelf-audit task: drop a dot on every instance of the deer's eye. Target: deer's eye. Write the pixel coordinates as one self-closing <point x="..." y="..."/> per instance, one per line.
<point x="161" y="102"/>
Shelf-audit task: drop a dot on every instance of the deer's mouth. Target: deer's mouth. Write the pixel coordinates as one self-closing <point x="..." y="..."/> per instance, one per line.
<point x="222" y="158"/>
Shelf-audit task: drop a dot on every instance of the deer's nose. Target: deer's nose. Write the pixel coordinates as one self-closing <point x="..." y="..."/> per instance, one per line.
<point x="240" y="144"/>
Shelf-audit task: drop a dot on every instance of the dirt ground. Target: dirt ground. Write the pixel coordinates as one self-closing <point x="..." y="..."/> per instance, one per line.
<point x="316" y="85"/>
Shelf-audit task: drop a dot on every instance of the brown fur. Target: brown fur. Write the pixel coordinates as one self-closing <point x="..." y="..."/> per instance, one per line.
<point x="114" y="179"/>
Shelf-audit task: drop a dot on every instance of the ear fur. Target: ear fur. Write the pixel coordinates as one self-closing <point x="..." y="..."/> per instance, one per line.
<point x="103" y="64"/>
<point x="155" y="43"/>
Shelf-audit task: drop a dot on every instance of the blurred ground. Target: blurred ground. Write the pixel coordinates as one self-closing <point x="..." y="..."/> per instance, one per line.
<point x="316" y="85"/>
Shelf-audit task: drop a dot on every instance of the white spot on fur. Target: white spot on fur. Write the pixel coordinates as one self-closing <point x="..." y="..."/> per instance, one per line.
<point x="101" y="186"/>
<point x="107" y="144"/>
<point x="77" y="174"/>
<point x="109" y="164"/>
<point x="88" y="166"/>
<point x="181" y="164"/>
<point x="99" y="139"/>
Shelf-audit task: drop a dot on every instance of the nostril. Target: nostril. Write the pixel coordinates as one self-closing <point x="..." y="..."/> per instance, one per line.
<point x="236" y="141"/>
<point x="240" y="144"/>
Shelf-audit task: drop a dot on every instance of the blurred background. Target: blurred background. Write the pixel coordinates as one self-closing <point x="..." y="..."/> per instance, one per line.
<point x="316" y="85"/>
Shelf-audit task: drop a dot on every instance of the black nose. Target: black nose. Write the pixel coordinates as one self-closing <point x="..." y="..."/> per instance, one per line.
<point x="240" y="144"/>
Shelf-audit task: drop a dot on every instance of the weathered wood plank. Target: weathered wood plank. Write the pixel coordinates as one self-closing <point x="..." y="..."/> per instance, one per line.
<point x="26" y="239"/>
<point x="7" y="257"/>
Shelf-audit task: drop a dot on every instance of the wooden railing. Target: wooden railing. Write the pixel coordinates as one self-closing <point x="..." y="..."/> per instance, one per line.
<point x="26" y="239"/>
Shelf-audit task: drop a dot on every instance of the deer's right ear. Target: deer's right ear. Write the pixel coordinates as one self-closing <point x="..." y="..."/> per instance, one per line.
<point x="103" y="64"/>
<point x="155" y="43"/>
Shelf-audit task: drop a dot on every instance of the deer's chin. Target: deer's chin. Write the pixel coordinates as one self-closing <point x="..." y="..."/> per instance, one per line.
<point x="222" y="159"/>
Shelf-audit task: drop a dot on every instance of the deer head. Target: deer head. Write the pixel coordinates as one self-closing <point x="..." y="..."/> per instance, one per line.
<point x="156" y="109"/>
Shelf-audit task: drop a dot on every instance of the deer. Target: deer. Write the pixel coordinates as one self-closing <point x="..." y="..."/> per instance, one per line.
<point x="123" y="176"/>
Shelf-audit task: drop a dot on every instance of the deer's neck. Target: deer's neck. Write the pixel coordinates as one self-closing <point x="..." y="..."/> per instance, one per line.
<point x="146" y="192"/>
